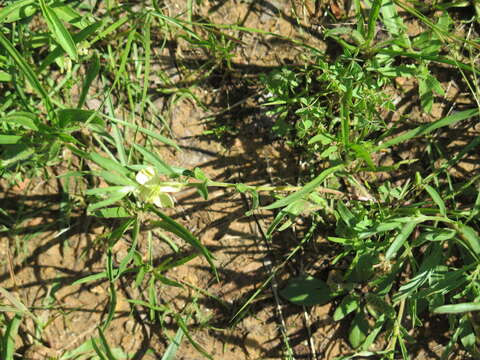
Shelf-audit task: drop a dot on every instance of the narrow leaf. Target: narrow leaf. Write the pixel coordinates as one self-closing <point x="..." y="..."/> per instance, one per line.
<point x="25" y="119"/>
<point x="307" y="189"/>
<point x="109" y="164"/>
<point x="171" y="351"/>
<point x="91" y="74"/>
<point x="153" y="159"/>
<point x="111" y="200"/>
<point x="167" y="223"/>
<point x="437" y="198"/>
<point x="77" y="38"/>
<point x="59" y="32"/>
<point x="427" y="128"/>
<point x="150" y="133"/>
<point x="470" y="236"/>
<point x="26" y="70"/>
<point x="9" y="139"/>
<point x="17" y="10"/>
<point x="11" y="334"/>
<point x="407" y="229"/>
<point x="457" y="308"/>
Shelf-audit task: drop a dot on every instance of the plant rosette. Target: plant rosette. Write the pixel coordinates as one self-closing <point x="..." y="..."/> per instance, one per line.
<point x="154" y="190"/>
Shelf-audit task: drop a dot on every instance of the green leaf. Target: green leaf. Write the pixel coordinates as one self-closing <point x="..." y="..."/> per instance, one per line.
<point x="380" y="228"/>
<point x="394" y="23"/>
<point x="345" y="214"/>
<point x="107" y="190"/>
<point x="15" y="154"/>
<point x="434" y="234"/>
<point x="25" y="119"/>
<point x="90" y="278"/>
<point x="171" y="351"/>
<point x="363" y="153"/>
<point x="427" y="128"/>
<point x="69" y="117"/>
<point x="67" y="14"/>
<point x="307" y="189"/>
<point x="470" y="236"/>
<point x="407" y="229"/>
<point x="378" y="306"/>
<point x="323" y="138"/>
<point x="91" y="74"/>
<point x="112" y="212"/>
<point x="9" y="139"/>
<point x="77" y="38"/>
<point x="11" y="334"/>
<point x="348" y="304"/>
<point x="150" y="133"/>
<point x="59" y="32"/>
<point x="27" y="71"/>
<point x="358" y="330"/>
<point x="363" y="269"/>
<point x="426" y="95"/>
<point x="307" y="291"/>
<point x="437" y="198"/>
<point x="5" y="76"/>
<point x="117" y="196"/>
<point x="84" y="348"/>
<point x="109" y="164"/>
<point x="117" y="179"/>
<point x="467" y="335"/>
<point x="167" y="223"/>
<point x="153" y="159"/>
<point x="373" y="333"/>
<point x="372" y="21"/>
<point x="18" y="10"/>
<point x="457" y="308"/>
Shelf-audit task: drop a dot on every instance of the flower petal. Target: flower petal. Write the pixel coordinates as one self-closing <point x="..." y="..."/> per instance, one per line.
<point x="145" y="175"/>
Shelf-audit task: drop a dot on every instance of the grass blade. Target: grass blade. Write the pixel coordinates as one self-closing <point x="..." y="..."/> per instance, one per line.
<point x="437" y="198"/>
<point x="183" y="326"/>
<point x="27" y="71"/>
<point x="148" y="52"/>
<point x="407" y="229"/>
<point x="92" y="73"/>
<point x="153" y="159"/>
<point x="173" y="346"/>
<point x="22" y="309"/>
<point x="307" y="189"/>
<point x="111" y="200"/>
<point x="457" y="308"/>
<point x="471" y="238"/>
<point x="150" y="133"/>
<point x="17" y="11"/>
<point x="67" y="14"/>
<point x="109" y="164"/>
<point x="394" y="23"/>
<point x="171" y="225"/>
<point x="82" y="349"/>
<point x="59" y="32"/>
<point x="427" y="128"/>
<point x="25" y="119"/>
<point x="9" y="337"/>
<point x="77" y="38"/>
<point x="372" y="21"/>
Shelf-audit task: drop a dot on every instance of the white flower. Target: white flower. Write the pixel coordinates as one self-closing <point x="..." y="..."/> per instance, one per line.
<point x="155" y="191"/>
